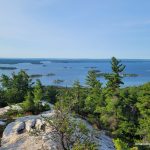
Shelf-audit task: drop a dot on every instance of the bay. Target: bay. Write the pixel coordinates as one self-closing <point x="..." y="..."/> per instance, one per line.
<point x="64" y="72"/>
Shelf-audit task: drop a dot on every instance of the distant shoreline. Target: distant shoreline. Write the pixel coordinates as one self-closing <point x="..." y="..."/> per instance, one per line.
<point x="59" y="60"/>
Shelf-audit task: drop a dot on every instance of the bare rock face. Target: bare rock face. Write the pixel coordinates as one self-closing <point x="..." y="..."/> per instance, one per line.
<point x="105" y="142"/>
<point x="19" y="135"/>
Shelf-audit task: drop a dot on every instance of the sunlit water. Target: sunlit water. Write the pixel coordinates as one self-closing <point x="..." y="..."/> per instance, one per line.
<point x="71" y="70"/>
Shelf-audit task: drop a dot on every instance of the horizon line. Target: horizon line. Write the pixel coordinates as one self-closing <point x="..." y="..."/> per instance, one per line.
<point x="73" y="58"/>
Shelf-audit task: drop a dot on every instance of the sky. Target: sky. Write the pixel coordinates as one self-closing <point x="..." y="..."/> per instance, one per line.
<point x="75" y="29"/>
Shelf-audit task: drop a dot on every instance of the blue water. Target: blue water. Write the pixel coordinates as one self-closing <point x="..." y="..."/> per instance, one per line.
<point x="71" y="70"/>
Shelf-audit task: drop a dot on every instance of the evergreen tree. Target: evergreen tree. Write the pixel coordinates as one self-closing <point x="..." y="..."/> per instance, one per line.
<point x="16" y="87"/>
<point x="115" y="78"/>
<point x="110" y="112"/>
<point x="94" y="92"/>
<point x="91" y="79"/>
<point x="38" y="92"/>
<point x="38" y="95"/>
<point x="50" y="94"/>
<point x="72" y="133"/>
<point x="143" y="106"/>
<point x="128" y="115"/>
<point x="28" y="104"/>
<point x="94" y="97"/>
<point x="78" y="97"/>
<point x="2" y="99"/>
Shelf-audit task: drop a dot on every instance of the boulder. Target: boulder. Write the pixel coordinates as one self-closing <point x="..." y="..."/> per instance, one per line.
<point x="30" y="124"/>
<point x="19" y="127"/>
<point x="40" y="124"/>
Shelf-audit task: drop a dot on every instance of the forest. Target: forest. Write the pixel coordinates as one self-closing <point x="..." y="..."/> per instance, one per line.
<point x="123" y="112"/>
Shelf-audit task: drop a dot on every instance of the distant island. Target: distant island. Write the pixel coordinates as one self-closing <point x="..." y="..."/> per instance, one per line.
<point x="102" y="74"/>
<point x="41" y="75"/>
<point x="8" y="68"/>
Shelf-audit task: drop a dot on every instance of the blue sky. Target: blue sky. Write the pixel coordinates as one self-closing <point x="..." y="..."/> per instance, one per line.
<point x="75" y="28"/>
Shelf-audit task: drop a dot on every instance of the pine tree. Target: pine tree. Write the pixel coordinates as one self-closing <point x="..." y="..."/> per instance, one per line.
<point x="38" y="93"/>
<point x="28" y="104"/>
<point x="73" y="133"/>
<point x="115" y="78"/>
<point x="143" y="106"/>
<point x="16" y="86"/>
<point x="78" y="97"/>
<point x="93" y="93"/>
<point x="91" y="79"/>
<point x="111" y="111"/>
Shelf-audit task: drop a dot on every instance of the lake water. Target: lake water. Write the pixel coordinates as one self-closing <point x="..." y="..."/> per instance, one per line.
<point x="71" y="70"/>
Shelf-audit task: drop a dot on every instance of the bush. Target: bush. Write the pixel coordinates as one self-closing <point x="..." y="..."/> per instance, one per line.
<point x="84" y="146"/>
<point x="28" y="104"/>
<point x="73" y="134"/>
<point x="120" y="145"/>
<point x="12" y="113"/>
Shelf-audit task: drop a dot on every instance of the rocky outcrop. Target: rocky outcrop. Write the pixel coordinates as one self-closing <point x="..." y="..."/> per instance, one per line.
<point x="23" y="134"/>
<point x="18" y="135"/>
<point x="105" y="142"/>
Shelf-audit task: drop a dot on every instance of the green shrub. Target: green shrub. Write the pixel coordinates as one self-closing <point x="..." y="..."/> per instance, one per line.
<point x="84" y="146"/>
<point x="12" y="113"/>
<point x="120" y="145"/>
<point x="28" y="104"/>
